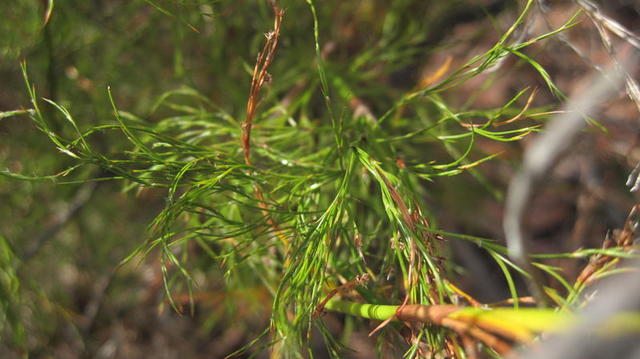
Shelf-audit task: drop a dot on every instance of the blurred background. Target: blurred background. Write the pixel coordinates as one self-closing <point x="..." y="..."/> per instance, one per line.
<point x="63" y="295"/>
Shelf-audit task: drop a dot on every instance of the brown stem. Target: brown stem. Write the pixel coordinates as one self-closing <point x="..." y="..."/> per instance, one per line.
<point x="259" y="78"/>
<point x="438" y="314"/>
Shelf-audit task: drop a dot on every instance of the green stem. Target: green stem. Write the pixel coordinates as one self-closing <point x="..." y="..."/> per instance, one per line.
<point x="364" y="310"/>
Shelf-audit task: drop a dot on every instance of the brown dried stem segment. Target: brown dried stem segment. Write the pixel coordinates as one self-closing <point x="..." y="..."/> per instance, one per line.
<point x="259" y="78"/>
<point x="439" y="315"/>
<point x="432" y="314"/>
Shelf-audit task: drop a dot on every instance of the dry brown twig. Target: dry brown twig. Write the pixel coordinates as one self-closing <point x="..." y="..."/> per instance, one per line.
<point x="259" y="78"/>
<point x="438" y="315"/>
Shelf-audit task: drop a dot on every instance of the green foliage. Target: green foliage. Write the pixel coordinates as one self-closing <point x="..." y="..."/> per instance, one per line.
<point x="331" y="194"/>
<point x="11" y="327"/>
<point x="20" y="26"/>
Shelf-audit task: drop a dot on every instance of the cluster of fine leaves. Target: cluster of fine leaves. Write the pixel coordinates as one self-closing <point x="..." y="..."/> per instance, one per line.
<point x="339" y="172"/>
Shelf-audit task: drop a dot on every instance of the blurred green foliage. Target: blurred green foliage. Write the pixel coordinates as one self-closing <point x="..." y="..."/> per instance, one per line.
<point x="21" y="24"/>
<point x="147" y="99"/>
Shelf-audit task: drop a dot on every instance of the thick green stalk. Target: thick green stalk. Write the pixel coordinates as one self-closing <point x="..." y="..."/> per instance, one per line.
<point x="364" y="310"/>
